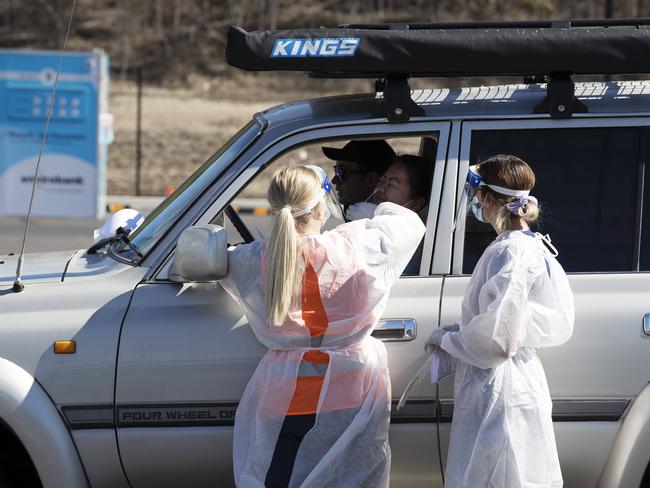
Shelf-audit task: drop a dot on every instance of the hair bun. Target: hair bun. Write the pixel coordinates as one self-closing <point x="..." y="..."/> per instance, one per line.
<point x="530" y="211"/>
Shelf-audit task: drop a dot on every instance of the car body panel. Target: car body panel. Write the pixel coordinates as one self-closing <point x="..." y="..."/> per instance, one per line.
<point x="187" y="348"/>
<point x="45" y="267"/>
<point x="100" y="457"/>
<point x="88" y="310"/>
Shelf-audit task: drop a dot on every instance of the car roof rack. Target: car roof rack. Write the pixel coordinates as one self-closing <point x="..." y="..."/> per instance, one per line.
<point x="392" y="53"/>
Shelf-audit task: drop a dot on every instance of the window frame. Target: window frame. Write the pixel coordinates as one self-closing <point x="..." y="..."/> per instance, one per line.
<point x="255" y="164"/>
<point x="644" y="217"/>
<point x="468" y="127"/>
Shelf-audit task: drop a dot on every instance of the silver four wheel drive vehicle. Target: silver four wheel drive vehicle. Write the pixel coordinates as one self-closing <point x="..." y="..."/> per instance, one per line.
<point x="148" y="395"/>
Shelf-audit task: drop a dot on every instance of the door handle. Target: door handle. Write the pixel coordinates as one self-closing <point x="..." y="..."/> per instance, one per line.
<point x="396" y="330"/>
<point x="646" y="324"/>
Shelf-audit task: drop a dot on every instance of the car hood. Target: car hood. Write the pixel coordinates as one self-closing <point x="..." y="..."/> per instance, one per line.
<point x="52" y="267"/>
<point x="44" y="267"/>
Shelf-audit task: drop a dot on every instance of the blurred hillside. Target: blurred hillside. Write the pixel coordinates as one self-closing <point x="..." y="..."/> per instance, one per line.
<point x="176" y="39"/>
<point x="193" y="101"/>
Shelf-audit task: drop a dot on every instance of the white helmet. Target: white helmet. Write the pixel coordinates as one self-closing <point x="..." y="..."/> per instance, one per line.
<point x="127" y="218"/>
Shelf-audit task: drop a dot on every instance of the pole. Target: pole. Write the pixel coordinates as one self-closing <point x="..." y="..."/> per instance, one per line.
<point x="18" y="282"/>
<point x="138" y="135"/>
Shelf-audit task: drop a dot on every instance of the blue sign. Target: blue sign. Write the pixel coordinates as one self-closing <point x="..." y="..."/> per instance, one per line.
<point x="72" y="177"/>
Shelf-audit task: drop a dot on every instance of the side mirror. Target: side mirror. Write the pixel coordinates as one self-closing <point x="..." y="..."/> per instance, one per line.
<point x="201" y="255"/>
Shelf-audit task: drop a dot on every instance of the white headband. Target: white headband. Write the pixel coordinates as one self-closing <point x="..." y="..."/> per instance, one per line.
<point x="310" y="207"/>
<point x="507" y="191"/>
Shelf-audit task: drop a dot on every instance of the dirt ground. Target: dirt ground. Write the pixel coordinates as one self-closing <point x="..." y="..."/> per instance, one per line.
<point x="182" y="127"/>
<point x="180" y="130"/>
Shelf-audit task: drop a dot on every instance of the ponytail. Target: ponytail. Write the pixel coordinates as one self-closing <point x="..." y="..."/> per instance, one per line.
<point x="291" y="190"/>
<point x="505" y="219"/>
<point x="282" y="266"/>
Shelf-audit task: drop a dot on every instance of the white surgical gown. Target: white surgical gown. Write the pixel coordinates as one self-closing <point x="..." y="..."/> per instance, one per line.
<point x="517" y="300"/>
<point x="355" y="266"/>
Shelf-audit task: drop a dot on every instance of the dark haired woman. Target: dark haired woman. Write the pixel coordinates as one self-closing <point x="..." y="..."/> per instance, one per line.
<point x="406" y="182"/>
<point x="517" y="300"/>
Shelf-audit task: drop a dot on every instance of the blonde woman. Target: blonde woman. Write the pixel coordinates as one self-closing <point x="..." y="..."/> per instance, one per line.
<point x="316" y="411"/>
<point x="517" y="300"/>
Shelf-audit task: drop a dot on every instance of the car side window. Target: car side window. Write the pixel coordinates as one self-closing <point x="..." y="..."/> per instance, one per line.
<point x="251" y="206"/>
<point x="588" y="187"/>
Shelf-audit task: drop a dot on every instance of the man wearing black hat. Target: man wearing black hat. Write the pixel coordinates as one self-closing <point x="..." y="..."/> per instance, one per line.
<point x="359" y="165"/>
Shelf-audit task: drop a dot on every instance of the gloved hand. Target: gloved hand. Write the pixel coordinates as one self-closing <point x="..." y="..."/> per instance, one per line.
<point x="451" y="328"/>
<point x="361" y="210"/>
<point x="433" y="343"/>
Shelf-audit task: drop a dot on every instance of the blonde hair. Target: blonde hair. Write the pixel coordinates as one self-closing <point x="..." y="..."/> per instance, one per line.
<point x="292" y="189"/>
<point x="513" y="173"/>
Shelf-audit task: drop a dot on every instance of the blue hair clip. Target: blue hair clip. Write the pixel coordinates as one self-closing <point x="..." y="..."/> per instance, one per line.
<point x="327" y="186"/>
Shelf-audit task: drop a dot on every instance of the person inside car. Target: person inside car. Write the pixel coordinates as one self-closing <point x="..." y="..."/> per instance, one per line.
<point x="359" y="165"/>
<point x="406" y="182"/>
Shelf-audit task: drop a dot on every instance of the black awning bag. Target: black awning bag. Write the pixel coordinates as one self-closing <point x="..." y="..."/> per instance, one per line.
<point x="372" y="53"/>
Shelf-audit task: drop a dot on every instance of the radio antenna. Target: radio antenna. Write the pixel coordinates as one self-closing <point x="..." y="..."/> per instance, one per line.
<point x="18" y="282"/>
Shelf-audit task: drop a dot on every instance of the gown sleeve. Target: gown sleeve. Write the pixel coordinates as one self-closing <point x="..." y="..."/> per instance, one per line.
<point x="389" y="239"/>
<point x="552" y="309"/>
<point x="499" y="329"/>
<point x="228" y="282"/>
<point x="243" y="269"/>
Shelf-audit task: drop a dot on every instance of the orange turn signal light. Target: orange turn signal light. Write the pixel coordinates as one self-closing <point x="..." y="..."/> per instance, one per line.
<point x="65" y="347"/>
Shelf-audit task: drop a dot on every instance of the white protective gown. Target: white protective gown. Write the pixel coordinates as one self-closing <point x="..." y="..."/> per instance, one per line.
<point x="356" y="265"/>
<point x="517" y="300"/>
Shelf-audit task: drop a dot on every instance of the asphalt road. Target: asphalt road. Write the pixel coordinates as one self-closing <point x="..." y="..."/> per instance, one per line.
<point x="65" y="234"/>
<point x="46" y="234"/>
<point x="55" y="234"/>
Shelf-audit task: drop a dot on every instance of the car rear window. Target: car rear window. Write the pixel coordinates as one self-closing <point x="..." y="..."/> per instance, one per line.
<point x="588" y="185"/>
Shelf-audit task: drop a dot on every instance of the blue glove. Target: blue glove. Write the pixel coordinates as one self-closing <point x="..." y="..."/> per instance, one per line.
<point x="433" y="343"/>
<point x="451" y="328"/>
<point x="361" y="210"/>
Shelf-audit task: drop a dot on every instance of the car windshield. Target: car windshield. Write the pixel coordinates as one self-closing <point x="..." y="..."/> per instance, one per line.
<point x="160" y="220"/>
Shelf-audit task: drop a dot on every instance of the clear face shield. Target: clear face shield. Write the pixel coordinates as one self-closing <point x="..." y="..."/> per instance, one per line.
<point x="332" y="206"/>
<point x="472" y="183"/>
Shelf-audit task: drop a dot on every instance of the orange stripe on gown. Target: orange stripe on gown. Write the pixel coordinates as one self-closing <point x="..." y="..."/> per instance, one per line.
<point x="308" y="388"/>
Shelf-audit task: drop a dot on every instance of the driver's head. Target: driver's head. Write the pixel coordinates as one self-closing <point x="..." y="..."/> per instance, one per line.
<point x="359" y="165"/>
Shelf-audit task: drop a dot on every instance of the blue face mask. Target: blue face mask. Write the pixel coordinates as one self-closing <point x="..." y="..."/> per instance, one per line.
<point x="476" y="210"/>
